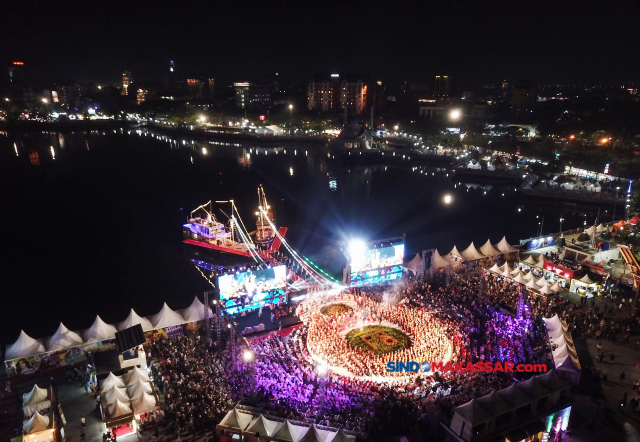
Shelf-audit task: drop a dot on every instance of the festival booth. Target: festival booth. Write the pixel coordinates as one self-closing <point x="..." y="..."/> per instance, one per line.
<point x="471" y="253"/>
<point x="524" y="411"/>
<point x="235" y="422"/>
<point x="24" y="346"/>
<point x="510" y="253"/>
<point x="118" y="418"/>
<point x="135" y="319"/>
<point x="490" y="252"/>
<point x="585" y="286"/>
<point x="39" y="428"/>
<point x="166" y="318"/>
<point x="565" y="357"/>
<point x="195" y="312"/>
<point x="558" y="274"/>
<point x="438" y="262"/>
<point x="36" y="400"/>
<point x="99" y="331"/>
<point x="63" y="338"/>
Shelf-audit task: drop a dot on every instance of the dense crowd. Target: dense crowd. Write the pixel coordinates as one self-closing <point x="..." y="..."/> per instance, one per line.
<point x="464" y="317"/>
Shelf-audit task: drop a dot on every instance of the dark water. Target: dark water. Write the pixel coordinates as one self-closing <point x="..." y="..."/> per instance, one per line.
<point x="97" y="230"/>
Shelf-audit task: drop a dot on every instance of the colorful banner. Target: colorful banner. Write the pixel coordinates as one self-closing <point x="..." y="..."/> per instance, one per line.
<point x="45" y="361"/>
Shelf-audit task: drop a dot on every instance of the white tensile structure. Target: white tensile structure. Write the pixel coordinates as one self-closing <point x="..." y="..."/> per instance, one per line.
<point x="195" y="312"/>
<point x="248" y="423"/>
<point x="118" y="409"/>
<point x="166" y="318"/>
<point x="144" y="403"/>
<point x="110" y="381"/>
<point x="24" y="346"/>
<point x="437" y="261"/>
<point x="35" y="400"/>
<point x="565" y="357"/>
<point x="99" y="331"/>
<point x="471" y="253"/>
<point x="136" y="374"/>
<point x="488" y="250"/>
<point x="37" y="423"/>
<point x="135" y="319"/>
<point x="530" y="261"/>
<point x="412" y="265"/>
<point x="505" y="247"/>
<point x="119" y="393"/>
<point x="63" y="338"/>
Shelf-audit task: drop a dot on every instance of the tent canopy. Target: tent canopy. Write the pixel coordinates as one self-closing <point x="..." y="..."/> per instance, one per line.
<point x="143" y="404"/>
<point x="437" y="261"/>
<point x="495" y="269"/>
<point x="115" y="393"/>
<point x="63" y="338"/>
<point x="36" y="423"/>
<point x="195" y="312"/>
<point x="263" y="426"/>
<point x="24" y="346"/>
<point x="118" y="409"/>
<point x="494" y="403"/>
<point x="99" y="331"/>
<point x="166" y="318"/>
<point x="135" y="319"/>
<point x="471" y="253"/>
<point x="110" y="381"/>
<point x="586" y="279"/>
<point x="290" y="432"/>
<point x="136" y="374"/>
<point x="504" y="246"/>
<point x="414" y="264"/>
<point x="488" y="250"/>
<point x="36" y="395"/>
<point x="530" y="261"/>
<point x="472" y="412"/>
<point x="514" y="396"/>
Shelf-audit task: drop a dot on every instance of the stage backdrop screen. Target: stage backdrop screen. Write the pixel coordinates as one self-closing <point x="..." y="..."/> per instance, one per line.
<point x="377" y="264"/>
<point x="253" y="284"/>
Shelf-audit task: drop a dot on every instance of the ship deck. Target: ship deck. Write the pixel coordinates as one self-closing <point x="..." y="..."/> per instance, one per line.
<point x="264" y="253"/>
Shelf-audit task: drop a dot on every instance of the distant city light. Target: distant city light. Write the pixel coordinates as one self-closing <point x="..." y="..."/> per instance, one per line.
<point x="455" y="114"/>
<point x="447" y="199"/>
<point x="604" y="140"/>
<point x="204" y="151"/>
<point x="45" y="101"/>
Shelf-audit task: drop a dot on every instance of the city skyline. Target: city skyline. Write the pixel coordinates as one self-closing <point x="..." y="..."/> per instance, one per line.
<point x="475" y="44"/>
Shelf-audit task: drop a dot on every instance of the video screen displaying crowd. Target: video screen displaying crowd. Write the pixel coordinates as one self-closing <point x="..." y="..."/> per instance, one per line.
<point x="201" y="382"/>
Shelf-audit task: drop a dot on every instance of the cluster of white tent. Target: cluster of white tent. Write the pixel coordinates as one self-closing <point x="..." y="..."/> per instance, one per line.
<point x="126" y="395"/>
<point x="99" y="331"/>
<point x="540" y="285"/>
<point x="249" y="423"/>
<point x="565" y="357"/>
<point x="36" y="407"/>
<point x="598" y="229"/>
<point x="502" y="408"/>
<point x="472" y="253"/>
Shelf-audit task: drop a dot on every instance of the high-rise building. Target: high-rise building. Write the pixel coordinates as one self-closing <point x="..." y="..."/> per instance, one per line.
<point x="127" y="80"/>
<point x="19" y="86"/>
<point x="211" y="88"/>
<point x="253" y="95"/>
<point x="442" y="86"/>
<point x="195" y="88"/>
<point x="336" y="92"/>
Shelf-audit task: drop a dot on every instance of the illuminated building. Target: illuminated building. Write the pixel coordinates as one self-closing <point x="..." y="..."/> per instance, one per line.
<point x="442" y="86"/>
<point x="253" y="95"/>
<point x="195" y="87"/>
<point x="20" y="90"/>
<point x="336" y="92"/>
<point x="126" y="82"/>
<point x="141" y="96"/>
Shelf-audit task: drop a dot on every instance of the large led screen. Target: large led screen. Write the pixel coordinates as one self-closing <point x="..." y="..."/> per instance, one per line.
<point x="376" y="265"/>
<point x="254" y="283"/>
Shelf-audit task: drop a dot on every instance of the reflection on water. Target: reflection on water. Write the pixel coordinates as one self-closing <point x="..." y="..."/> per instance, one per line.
<point x="92" y="220"/>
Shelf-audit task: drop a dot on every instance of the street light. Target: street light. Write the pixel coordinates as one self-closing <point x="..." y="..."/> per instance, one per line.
<point x="455" y="114"/>
<point x="447" y="199"/>
<point x="45" y="101"/>
<point x="291" y="115"/>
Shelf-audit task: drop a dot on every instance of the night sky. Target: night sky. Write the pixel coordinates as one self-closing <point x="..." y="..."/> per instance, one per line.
<point x="476" y="42"/>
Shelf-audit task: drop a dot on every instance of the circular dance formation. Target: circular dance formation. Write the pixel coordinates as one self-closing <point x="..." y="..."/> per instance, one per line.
<point x="359" y="336"/>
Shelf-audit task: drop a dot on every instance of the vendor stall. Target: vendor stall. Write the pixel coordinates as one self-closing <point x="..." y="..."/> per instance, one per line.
<point x="556" y="273"/>
<point x="39" y="428"/>
<point x="585" y="287"/>
<point x="37" y="399"/>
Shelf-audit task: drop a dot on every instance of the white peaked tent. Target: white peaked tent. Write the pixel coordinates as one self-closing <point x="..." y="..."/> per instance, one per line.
<point x="144" y="403"/>
<point x="504" y="246"/>
<point x="590" y="231"/>
<point x="24" y="346"/>
<point x="527" y="276"/>
<point x="542" y="282"/>
<point x="118" y="409"/>
<point x="290" y="432"/>
<point x="555" y="288"/>
<point x="471" y="253"/>
<point x="115" y="393"/>
<point x="63" y="338"/>
<point x="136" y="374"/>
<point x="505" y="268"/>
<point x="586" y="279"/>
<point x="545" y="290"/>
<point x="455" y="252"/>
<point x="532" y="285"/>
<point x="467" y="416"/>
<point x="264" y="426"/>
<point x="135" y="319"/>
<point x="519" y="279"/>
<point x="341" y="436"/>
<point x="137" y="387"/>
<point x="488" y="250"/>
<point x="507" y="272"/>
<point x="110" y="381"/>
<point x="35" y="400"/>
<point x="495" y="269"/>
<point x="99" y="331"/>
<point x="236" y="420"/>
<point x="553" y="322"/>
<point x="412" y="265"/>
<point x="195" y="312"/>
<point x="541" y="260"/>
<point x="516" y="271"/>
<point x="315" y="434"/>
<point x="437" y="261"/>
<point x="530" y="261"/>
<point x="166" y="318"/>
<point x="36" y="423"/>
<point x="601" y="228"/>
